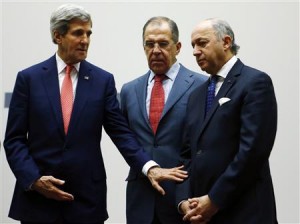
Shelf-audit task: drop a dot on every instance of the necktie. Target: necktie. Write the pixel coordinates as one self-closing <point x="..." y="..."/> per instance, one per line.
<point x="66" y="97"/>
<point x="211" y="92"/>
<point x="157" y="101"/>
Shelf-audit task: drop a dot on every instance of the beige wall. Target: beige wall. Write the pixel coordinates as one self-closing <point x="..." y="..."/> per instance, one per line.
<point x="268" y="33"/>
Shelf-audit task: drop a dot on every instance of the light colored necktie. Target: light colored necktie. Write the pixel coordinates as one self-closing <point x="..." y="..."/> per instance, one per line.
<point x="157" y="101"/>
<point x="66" y="97"/>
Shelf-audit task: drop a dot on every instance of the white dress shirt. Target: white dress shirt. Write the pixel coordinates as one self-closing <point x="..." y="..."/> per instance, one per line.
<point x="223" y="72"/>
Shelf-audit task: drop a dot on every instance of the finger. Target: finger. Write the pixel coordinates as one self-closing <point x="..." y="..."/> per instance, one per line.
<point x="64" y="196"/>
<point x="193" y="205"/>
<point x="179" y="167"/>
<point x="179" y="173"/>
<point x="156" y="185"/>
<point x="56" y="181"/>
<point x="193" y="200"/>
<point x="194" y="218"/>
<point x="197" y="218"/>
<point x="59" y="195"/>
<point x="174" y="177"/>
<point x="189" y="214"/>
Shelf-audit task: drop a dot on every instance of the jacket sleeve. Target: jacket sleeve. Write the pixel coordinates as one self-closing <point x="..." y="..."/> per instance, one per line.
<point x="16" y="136"/>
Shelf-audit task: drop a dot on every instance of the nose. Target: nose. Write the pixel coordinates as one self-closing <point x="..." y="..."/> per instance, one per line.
<point x="156" y="48"/>
<point x="196" y="51"/>
<point x="84" y="39"/>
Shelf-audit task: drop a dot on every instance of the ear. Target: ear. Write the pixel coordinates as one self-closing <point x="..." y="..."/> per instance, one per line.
<point x="178" y="47"/>
<point x="227" y="42"/>
<point x="57" y="37"/>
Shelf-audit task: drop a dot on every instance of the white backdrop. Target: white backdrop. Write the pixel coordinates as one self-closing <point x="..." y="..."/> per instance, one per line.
<point x="268" y="33"/>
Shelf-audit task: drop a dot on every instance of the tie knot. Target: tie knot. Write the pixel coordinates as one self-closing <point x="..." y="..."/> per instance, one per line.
<point x="159" y="78"/>
<point x="69" y="69"/>
<point x="214" y="78"/>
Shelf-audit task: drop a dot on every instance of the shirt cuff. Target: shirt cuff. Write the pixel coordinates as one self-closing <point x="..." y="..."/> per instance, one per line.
<point x="178" y="207"/>
<point x="148" y="165"/>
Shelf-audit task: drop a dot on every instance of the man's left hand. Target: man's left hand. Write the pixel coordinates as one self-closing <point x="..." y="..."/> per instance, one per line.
<point x="202" y="210"/>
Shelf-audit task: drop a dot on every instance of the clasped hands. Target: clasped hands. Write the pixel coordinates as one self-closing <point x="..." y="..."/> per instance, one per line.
<point x="198" y="210"/>
<point x="49" y="185"/>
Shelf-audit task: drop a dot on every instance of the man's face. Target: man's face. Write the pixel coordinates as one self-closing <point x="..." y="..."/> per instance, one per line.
<point x="159" y="47"/>
<point x="208" y="49"/>
<point x="73" y="46"/>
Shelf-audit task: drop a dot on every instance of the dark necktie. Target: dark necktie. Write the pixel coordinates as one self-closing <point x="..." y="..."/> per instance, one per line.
<point x="67" y="98"/>
<point x="157" y="102"/>
<point x="211" y="92"/>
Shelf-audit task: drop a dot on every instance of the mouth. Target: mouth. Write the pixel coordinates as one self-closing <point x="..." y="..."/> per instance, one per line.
<point x="157" y="60"/>
<point x="200" y="61"/>
<point x="82" y="50"/>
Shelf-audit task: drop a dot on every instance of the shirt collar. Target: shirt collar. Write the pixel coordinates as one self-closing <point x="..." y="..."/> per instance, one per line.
<point x="61" y="65"/>
<point x="171" y="73"/>
<point x="227" y="67"/>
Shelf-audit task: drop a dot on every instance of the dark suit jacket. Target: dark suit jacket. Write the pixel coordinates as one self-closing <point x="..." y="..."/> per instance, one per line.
<point x="164" y="147"/>
<point x="230" y="148"/>
<point x="36" y="145"/>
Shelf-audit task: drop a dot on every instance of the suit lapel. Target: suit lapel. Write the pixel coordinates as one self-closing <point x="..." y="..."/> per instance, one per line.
<point x="181" y="84"/>
<point x="141" y="95"/>
<point x="226" y="86"/>
<point x="200" y="107"/>
<point x="51" y="83"/>
<point x="85" y="79"/>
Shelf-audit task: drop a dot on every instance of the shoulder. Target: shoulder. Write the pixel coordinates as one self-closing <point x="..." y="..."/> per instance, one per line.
<point x="46" y="64"/>
<point x="249" y="73"/>
<point x="198" y="77"/>
<point x="250" y="78"/>
<point x="252" y="74"/>
<point x="137" y="81"/>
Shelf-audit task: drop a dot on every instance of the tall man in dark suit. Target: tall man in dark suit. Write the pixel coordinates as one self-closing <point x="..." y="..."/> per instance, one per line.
<point x="230" y="144"/>
<point x="52" y="141"/>
<point x="161" y="139"/>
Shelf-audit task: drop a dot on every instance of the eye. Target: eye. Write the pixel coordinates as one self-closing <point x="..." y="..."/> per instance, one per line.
<point x="202" y="43"/>
<point x="160" y="44"/>
<point x="78" y="33"/>
<point x="89" y="33"/>
<point x="163" y="44"/>
<point x="149" y="44"/>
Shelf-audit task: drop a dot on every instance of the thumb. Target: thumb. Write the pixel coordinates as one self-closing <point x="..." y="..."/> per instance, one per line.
<point x="156" y="185"/>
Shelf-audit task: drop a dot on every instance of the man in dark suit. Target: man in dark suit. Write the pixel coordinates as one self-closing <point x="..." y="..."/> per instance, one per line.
<point x="163" y="139"/>
<point x="230" y="144"/>
<point x="52" y="141"/>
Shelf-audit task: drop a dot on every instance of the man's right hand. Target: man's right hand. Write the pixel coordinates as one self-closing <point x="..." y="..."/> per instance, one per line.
<point x="157" y="174"/>
<point x="46" y="186"/>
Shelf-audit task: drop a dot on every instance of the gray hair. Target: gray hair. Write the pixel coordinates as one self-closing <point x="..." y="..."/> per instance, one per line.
<point x="62" y="16"/>
<point x="158" y="20"/>
<point x="222" y="28"/>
